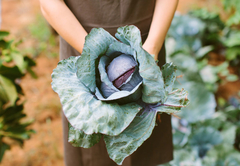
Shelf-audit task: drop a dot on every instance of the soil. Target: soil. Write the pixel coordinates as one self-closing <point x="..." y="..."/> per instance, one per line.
<point x="45" y="148"/>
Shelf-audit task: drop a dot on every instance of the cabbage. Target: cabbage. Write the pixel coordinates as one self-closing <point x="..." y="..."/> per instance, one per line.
<point x="115" y="90"/>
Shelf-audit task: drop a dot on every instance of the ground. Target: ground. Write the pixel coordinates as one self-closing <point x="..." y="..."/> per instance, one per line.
<point x="45" y="148"/>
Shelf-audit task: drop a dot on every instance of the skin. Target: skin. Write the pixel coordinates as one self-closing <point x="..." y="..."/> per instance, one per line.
<point x="66" y="24"/>
<point x="162" y="18"/>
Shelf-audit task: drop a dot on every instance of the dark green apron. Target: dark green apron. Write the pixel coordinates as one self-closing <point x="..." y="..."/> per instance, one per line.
<point x="111" y="14"/>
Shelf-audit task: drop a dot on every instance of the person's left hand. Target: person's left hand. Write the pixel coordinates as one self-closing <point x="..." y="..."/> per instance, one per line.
<point x="151" y="49"/>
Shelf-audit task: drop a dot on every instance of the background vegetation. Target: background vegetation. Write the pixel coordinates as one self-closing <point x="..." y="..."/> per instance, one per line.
<point x="13" y="66"/>
<point x="206" y="50"/>
<point x="204" y="44"/>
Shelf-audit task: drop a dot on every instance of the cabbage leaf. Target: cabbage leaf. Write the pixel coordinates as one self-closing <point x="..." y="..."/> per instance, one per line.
<point x="96" y="44"/>
<point x="94" y="107"/>
<point x="82" y="109"/>
<point x="153" y="84"/>
<point x="79" y="139"/>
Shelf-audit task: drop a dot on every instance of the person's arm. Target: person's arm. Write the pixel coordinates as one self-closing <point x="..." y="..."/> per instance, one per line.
<point x="162" y="18"/>
<point x="64" y="22"/>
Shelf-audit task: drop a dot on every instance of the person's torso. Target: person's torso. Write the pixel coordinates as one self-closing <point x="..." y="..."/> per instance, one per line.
<point x="111" y="14"/>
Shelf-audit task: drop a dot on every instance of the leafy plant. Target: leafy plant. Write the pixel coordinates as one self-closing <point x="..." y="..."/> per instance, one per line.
<point x="43" y="38"/>
<point x="223" y="38"/>
<point x="13" y="66"/>
<point x="207" y="134"/>
<point x="115" y="90"/>
<point x="233" y="9"/>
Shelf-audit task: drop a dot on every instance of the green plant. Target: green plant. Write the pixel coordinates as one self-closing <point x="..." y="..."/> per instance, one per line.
<point x="43" y="39"/>
<point x="13" y="66"/>
<point x="207" y="134"/>
<point x="223" y="38"/>
<point x="232" y="7"/>
<point x="102" y="95"/>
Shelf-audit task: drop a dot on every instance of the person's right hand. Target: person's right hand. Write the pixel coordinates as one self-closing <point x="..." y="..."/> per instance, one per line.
<point x="64" y="22"/>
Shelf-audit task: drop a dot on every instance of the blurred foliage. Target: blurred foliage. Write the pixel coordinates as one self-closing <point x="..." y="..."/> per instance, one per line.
<point x="232" y="7"/>
<point x="13" y="66"/>
<point x="43" y="37"/>
<point x="208" y="133"/>
<point x="226" y="40"/>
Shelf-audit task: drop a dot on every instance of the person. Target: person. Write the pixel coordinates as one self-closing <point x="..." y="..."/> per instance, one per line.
<point x="73" y="20"/>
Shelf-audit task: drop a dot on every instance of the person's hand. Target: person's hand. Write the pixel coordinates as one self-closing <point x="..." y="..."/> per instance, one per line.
<point x="61" y="18"/>
<point x="147" y="46"/>
<point x="162" y="18"/>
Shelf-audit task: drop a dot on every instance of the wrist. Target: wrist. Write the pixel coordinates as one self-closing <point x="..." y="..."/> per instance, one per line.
<point x="151" y="49"/>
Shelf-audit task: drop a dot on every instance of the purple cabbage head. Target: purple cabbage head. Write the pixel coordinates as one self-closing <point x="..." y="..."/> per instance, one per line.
<point x="123" y="81"/>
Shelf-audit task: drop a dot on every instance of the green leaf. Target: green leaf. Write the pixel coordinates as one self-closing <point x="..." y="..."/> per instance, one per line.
<point x="222" y="154"/>
<point x="121" y="146"/>
<point x="10" y="72"/>
<point x="203" y="51"/>
<point x="183" y="157"/>
<point x="180" y="139"/>
<point x="3" y="44"/>
<point x="129" y="35"/>
<point x="153" y="84"/>
<point x="81" y="107"/>
<point x="232" y="77"/>
<point x="202" y="105"/>
<point x="211" y="18"/>
<point x="204" y="138"/>
<point x="2" y="102"/>
<point x="184" y="62"/>
<point x="30" y="62"/>
<point x="141" y="128"/>
<point x="9" y="88"/>
<point x="232" y="40"/>
<point x="216" y="122"/>
<point x="187" y="31"/>
<point x="205" y="135"/>
<point x="3" y="34"/>
<point x="3" y="97"/>
<point x="209" y="75"/>
<point x="3" y="148"/>
<point x="13" y="114"/>
<point x="176" y="100"/>
<point x="232" y="160"/>
<point x="19" y="60"/>
<point x="32" y="73"/>
<point x="96" y="45"/>
<point x="79" y="139"/>
<point x="232" y="53"/>
<point x="169" y="75"/>
<point x="117" y="48"/>
<point x="234" y="19"/>
<point x="228" y="133"/>
<point x="6" y="44"/>
<point x="16" y="135"/>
